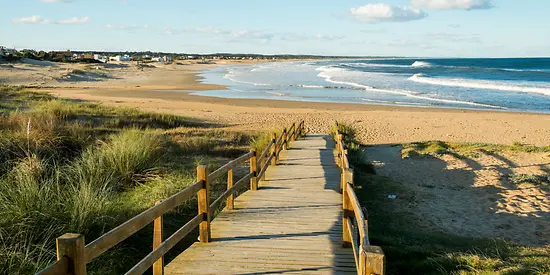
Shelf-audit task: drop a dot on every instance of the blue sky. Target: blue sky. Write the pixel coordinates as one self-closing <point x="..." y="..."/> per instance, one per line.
<point x="433" y="28"/>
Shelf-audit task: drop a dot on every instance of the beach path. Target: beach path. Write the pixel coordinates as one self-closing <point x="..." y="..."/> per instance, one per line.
<point x="291" y="225"/>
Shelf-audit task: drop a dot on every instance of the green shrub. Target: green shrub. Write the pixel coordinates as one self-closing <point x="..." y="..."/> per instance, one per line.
<point x="517" y="179"/>
<point x="260" y="142"/>
<point x="124" y="160"/>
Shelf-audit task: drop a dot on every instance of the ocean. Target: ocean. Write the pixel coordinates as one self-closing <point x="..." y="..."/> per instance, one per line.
<point x="511" y="84"/>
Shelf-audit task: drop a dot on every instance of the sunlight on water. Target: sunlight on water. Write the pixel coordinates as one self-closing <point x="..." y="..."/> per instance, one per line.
<point x="497" y="84"/>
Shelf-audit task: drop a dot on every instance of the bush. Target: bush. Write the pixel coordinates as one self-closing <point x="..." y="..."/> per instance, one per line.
<point x="260" y="142"/>
<point x="517" y="179"/>
<point x="124" y="160"/>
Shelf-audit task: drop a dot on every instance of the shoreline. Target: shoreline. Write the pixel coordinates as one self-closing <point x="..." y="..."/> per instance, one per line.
<point x="169" y="89"/>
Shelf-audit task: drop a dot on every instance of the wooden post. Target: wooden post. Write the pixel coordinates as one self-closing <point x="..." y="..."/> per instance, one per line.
<point x="273" y="150"/>
<point x="293" y="137"/>
<point x="72" y="246"/>
<point x="347" y="207"/>
<point x="285" y="140"/>
<point x="203" y="198"/>
<point x="230" y="203"/>
<point x="254" y="171"/>
<point x="158" y="266"/>
<point x="371" y="260"/>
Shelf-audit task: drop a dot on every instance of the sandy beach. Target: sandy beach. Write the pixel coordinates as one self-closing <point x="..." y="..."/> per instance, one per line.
<point x="169" y="88"/>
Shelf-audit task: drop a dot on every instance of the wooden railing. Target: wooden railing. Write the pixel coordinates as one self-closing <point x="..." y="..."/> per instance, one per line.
<point x="368" y="259"/>
<point x="73" y="255"/>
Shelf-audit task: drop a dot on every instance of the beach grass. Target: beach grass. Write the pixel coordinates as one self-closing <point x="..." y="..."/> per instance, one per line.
<point x="464" y="150"/>
<point x="81" y="167"/>
<point x="412" y="247"/>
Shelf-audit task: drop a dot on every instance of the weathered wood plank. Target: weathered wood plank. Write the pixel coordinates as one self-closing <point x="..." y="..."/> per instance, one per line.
<point x="292" y="224"/>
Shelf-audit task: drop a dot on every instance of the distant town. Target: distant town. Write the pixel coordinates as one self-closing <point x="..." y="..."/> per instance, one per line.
<point x="105" y="57"/>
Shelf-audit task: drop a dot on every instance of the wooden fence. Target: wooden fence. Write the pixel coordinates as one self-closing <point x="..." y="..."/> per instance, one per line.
<point x="73" y="255"/>
<point x="368" y="259"/>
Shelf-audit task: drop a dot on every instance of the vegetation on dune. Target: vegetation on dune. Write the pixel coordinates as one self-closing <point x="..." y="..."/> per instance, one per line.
<point x="84" y="168"/>
<point x="463" y="150"/>
<point x="411" y="247"/>
<point x="517" y="179"/>
<point x="356" y="152"/>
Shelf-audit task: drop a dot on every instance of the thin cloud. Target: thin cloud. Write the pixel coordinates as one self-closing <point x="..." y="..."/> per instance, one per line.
<point x="453" y="4"/>
<point x="73" y="21"/>
<point x="126" y="27"/>
<point x="207" y="30"/>
<point x="298" y="37"/>
<point x="386" y="13"/>
<point x="35" y="19"/>
<point x="456" y="37"/>
<point x="56" y="1"/>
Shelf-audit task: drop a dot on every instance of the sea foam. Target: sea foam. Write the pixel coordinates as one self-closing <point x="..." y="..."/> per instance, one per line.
<point x="421" y="64"/>
<point x="478" y="84"/>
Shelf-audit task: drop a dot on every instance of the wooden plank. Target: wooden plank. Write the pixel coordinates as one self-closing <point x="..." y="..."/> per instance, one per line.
<point x="266" y="150"/>
<point x="230" y="165"/>
<point x="165" y="246"/>
<point x="203" y="200"/>
<point x="60" y="267"/>
<point x="158" y="266"/>
<point x="293" y="224"/>
<point x="230" y="203"/>
<point x="266" y="165"/>
<point x="253" y="171"/>
<point x="128" y="228"/>
<point x="229" y="192"/>
<point x="359" y="217"/>
<point x="71" y="247"/>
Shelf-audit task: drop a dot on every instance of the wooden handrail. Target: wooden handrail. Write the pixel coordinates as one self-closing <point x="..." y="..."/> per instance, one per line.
<point x="229" y="192"/>
<point x="59" y="267"/>
<point x="127" y="229"/>
<point x="359" y="216"/>
<point x="73" y="255"/>
<point x="230" y="165"/>
<point x="264" y="168"/>
<point x="156" y="254"/>
<point x="266" y="150"/>
<point x="368" y="259"/>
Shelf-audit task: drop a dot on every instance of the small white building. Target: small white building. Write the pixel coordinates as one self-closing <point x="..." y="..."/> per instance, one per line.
<point x="120" y="58"/>
<point x="157" y="59"/>
<point x="101" y="58"/>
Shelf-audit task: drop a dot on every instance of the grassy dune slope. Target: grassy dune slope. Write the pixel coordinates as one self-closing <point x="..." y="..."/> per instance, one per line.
<point x="410" y="246"/>
<point x="85" y="168"/>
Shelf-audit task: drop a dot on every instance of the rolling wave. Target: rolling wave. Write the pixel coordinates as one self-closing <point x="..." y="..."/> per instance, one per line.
<point x="421" y="64"/>
<point x="477" y="84"/>
<point x="326" y="70"/>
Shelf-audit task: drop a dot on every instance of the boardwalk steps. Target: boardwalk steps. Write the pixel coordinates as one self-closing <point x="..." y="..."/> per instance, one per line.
<point x="303" y="217"/>
<point x="292" y="224"/>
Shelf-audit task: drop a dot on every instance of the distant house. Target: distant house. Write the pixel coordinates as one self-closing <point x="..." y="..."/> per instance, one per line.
<point x="62" y="56"/>
<point x="120" y="58"/>
<point x="190" y="57"/>
<point x="167" y="58"/>
<point x="157" y="59"/>
<point x="101" y="58"/>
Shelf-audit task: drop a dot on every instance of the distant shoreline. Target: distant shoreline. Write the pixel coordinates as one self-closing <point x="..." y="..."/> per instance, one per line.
<point x="151" y="89"/>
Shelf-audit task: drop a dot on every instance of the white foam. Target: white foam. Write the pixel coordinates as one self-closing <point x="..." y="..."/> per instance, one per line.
<point x="478" y="84"/>
<point x="418" y="64"/>
<point x="326" y="73"/>
<point x="374" y="65"/>
<point x="230" y="75"/>
<point x="275" y="93"/>
<point x="312" y="86"/>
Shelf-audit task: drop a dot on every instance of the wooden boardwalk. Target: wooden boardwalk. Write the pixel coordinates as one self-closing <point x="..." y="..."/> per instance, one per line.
<point x="291" y="225"/>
